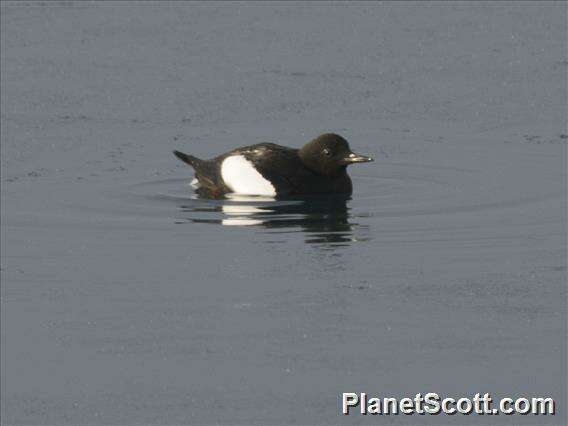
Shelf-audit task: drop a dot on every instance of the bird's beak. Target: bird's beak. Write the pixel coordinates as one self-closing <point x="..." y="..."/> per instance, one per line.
<point x="357" y="158"/>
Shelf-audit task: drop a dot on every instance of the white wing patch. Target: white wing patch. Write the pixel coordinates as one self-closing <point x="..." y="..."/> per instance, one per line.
<point x="241" y="177"/>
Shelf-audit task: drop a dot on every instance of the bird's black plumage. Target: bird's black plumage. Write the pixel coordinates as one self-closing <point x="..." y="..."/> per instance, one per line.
<point x="319" y="167"/>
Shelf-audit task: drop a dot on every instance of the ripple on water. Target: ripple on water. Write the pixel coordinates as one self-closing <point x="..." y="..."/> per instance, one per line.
<point x="400" y="191"/>
<point x="324" y="219"/>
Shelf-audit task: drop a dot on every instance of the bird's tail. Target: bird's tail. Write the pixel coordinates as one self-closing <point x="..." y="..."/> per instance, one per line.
<point x="189" y="159"/>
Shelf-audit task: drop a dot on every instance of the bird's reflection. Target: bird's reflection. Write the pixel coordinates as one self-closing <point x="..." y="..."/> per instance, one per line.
<point x="323" y="219"/>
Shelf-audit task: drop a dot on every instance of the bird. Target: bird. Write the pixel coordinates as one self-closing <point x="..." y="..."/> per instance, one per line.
<point x="272" y="170"/>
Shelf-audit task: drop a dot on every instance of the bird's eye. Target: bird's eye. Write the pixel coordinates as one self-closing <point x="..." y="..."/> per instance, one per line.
<point x="326" y="152"/>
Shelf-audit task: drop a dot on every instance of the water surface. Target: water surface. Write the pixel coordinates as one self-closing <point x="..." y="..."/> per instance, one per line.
<point x="129" y="299"/>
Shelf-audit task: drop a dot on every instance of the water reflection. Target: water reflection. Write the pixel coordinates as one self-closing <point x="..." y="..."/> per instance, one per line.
<point x="323" y="219"/>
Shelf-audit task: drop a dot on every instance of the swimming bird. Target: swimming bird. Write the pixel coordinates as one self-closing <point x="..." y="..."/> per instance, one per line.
<point x="268" y="169"/>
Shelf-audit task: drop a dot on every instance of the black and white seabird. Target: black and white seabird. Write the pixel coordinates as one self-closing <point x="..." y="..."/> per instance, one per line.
<point x="268" y="169"/>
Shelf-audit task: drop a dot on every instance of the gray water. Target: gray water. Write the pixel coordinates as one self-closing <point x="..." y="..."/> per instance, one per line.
<point x="127" y="299"/>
